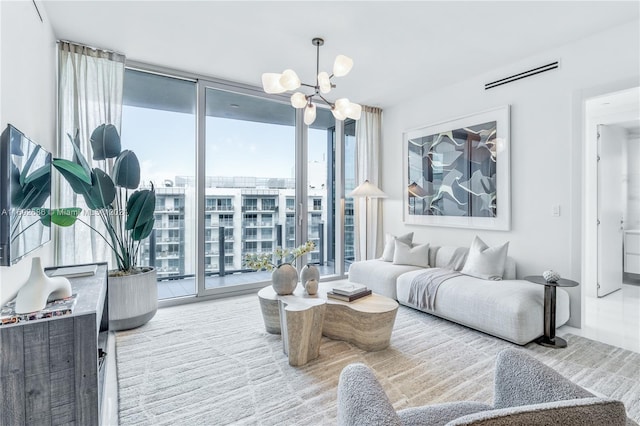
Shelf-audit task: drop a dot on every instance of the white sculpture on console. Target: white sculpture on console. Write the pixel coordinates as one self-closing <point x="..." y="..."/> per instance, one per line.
<point x="39" y="289"/>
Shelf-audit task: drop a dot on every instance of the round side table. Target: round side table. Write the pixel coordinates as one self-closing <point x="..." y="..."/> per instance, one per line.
<point x="549" y="338"/>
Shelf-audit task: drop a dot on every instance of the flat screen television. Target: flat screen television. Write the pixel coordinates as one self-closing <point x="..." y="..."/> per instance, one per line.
<point x="25" y="195"/>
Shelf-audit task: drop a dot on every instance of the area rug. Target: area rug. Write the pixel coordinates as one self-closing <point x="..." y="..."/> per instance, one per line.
<point x="212" y="363"/>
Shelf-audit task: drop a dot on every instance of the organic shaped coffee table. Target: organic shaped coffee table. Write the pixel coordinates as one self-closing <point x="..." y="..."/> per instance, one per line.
<point x="366" y="322"/>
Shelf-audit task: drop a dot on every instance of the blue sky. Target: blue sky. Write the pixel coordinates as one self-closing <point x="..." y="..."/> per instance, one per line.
<point x="164" y="142"/>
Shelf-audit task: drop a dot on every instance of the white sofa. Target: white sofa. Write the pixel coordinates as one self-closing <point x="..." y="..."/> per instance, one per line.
<point x="510" y="309"/>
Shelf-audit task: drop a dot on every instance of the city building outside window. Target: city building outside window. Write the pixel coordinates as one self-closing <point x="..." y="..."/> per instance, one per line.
<point x="237" y="179"/>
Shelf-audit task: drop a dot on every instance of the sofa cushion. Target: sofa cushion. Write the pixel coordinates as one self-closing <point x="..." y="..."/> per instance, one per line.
<point x="389" y="245"/>
<point x="378" y="275"/>
<point x="509" y="309"/>
<point x="405" y="254"/>
<point x="485" y="262"/>
<point x="443" y="257"/>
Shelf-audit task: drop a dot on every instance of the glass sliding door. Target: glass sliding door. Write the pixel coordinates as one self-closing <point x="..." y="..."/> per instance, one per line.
<point x="349" y="185"/>
<point x="320" y="137"/>
<point x="249" y="184"/>
<point x="159" y="125"/>
<point x="235" y="173"/>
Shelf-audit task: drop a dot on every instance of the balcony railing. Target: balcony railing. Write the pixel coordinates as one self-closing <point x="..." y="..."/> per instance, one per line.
<point x="219" y="208"/>
<point x="278" y="238"/>
<point x="170" y="225"/>
<point x="228" y="224"/>
<point x="256" y="224"/>
<point x="160" y="209"/>
<point x="259" y="208"/>
<point x="169" y="239"/>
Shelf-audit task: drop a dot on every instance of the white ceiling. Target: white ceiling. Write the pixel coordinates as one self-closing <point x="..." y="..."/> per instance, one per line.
<point x="398" y="47"/>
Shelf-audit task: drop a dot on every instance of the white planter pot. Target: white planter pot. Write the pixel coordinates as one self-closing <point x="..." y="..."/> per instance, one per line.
<point x="133" y="300"/>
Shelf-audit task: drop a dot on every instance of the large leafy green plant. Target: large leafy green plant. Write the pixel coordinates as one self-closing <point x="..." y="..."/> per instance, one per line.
<point x="126" y="213"/>
<point x="29" y="190"/>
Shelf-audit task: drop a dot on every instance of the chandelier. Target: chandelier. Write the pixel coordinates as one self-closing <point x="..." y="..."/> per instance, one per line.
<point x="289" y="80"/>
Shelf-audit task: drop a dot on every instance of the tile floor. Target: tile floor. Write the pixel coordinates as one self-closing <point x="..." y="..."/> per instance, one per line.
<point x="613" y="319"/>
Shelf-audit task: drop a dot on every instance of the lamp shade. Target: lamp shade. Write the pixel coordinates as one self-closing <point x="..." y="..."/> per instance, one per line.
<point x="342" y="106"/>
<point x="298" y="100"/>
<point x="271" y="83"/>
<point x="354" y="111"/>
<point x="309" y="114"/>
<point x="324" y="82"/>
<point x="342" y="65"/>
<point x="337" y="114"/>
<point x="367" y="189"/>
<point x="289" y="80"/>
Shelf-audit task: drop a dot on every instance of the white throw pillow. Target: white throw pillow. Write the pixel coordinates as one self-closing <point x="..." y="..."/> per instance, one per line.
<point x="486" y="262"/>
<point x="404" y="254"/>
<point x="389" y="245"/>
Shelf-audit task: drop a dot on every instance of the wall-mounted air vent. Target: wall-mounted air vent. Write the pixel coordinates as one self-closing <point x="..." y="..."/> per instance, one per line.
<point x="522" y="75"/>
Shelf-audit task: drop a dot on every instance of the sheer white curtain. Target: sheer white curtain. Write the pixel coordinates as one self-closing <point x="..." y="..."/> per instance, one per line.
<point x="368" y="139"/>
<point x="90" y="86"/>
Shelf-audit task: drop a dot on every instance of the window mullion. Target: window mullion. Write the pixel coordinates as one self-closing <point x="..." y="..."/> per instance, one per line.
<point x="339" y="198"/>
<point x="301" y="156"/>
<point x="200" y="188"/>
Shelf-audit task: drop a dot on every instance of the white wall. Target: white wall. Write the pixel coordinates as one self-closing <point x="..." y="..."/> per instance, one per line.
<point x="545" y="148"/>
<point x="28" y="88"/>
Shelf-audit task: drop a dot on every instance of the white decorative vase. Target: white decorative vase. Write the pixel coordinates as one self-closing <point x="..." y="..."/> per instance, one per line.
<point x="39" y="289"/>
<point x="309" y="272"/>
<point x="311" y="286"/>
<point x="133" y="299"/>
<point x="284" y="279"/>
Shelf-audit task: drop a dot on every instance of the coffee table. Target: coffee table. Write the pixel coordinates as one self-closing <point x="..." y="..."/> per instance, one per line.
<point x="366" y="322"/>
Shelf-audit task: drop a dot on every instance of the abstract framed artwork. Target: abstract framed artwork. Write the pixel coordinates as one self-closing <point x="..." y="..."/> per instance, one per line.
<point x="457" y="172"/>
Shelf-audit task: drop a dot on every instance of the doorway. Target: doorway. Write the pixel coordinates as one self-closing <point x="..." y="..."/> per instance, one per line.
<point x="612" y="212"/>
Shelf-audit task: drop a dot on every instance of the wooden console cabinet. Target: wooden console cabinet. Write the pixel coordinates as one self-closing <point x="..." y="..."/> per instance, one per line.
<point x="52" y="370"/>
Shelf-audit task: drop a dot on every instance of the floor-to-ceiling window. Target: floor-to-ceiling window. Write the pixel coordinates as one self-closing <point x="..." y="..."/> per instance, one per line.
<point x="159" y="125"/>
<point x="222" y="158"/>
<point x="250" y="160"/>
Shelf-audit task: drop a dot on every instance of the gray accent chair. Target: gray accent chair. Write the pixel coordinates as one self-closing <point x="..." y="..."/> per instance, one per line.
<point x="527" y="392"/>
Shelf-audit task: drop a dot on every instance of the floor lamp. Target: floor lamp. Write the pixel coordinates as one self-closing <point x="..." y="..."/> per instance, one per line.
<point x="367" y="190"/>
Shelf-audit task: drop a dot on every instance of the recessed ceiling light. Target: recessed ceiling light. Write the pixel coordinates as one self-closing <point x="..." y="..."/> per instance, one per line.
<point x="606" y="103"/>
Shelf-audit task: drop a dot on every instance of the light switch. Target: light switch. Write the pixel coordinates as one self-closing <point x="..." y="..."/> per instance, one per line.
<point x="555" y="210"/>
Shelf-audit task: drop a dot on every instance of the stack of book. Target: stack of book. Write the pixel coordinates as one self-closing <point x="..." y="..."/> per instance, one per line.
<point x="55" y="308"/>
<point x="348" y="292"/>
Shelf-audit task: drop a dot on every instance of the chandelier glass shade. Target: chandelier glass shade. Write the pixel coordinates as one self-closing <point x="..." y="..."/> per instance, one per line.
<point x="288" y="80"/>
